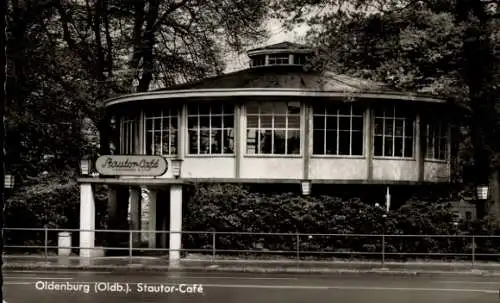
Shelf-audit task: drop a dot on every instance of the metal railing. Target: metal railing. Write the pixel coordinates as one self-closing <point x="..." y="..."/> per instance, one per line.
<point x="295" y="246"/>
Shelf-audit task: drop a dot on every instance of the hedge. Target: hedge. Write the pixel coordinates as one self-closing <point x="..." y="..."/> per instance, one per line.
<point x="235" y="209"/>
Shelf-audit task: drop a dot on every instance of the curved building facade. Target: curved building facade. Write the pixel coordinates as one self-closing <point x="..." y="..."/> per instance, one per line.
<point x="275" y="122"/>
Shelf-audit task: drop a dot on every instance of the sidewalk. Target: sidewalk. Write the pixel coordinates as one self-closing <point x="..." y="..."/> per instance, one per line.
<point x="162" y="264"/>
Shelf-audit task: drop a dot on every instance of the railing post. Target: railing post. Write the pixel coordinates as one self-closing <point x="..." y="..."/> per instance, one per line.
<point x="298" y="246"/>
<point x="473" y="251"/>
<point x="383" y="250"/>
<point x="213" y="246"/>
<point x="130" y="244"/>
<point x="45" y="242"/>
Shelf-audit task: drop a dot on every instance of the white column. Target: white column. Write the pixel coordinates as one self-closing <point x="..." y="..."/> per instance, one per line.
<point x="175" y="222"/>
<point x="87" y="220"/>
<point x="152" y="219"/>
<point x="135" y="218"/>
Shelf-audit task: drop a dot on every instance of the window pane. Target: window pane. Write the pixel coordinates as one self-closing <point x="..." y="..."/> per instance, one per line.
<point x="319" y="109"/>
<point x="157" y="143"/>
<point x="192" y="122"/>
<point x="399" y="128"/>
<point x="228" y="109"/>
<point x="216" y="108"/>
<point x="204" y="108"/>
<point x="398" y="147"/>
<point x="332" y="109"/>
<point x="266" y="141"/>
<point x="344" y="143"/>
<point x="389" y="111"/>
<point x="357" y="111"/>
<point x="318" y="142"/>
<point x="331" y="142"/>
<point x="252" y="121"/>
<point x="173" y="123"/>
<point x="193" y="142"/>
<point x="204" y="141"/>
<point x="357" y="143"/>
<point x="229" y="141"/>
<point x="357" y="123"/>
<point x="443" y="147"/>
<point x="378" y="146"/>
<point x="216" y="121"/>
<point x="294" y="108"/>
<point x="294" y="121"/>
<point x="216" y="141"/>
<point x="379" y="126"/>
<point x="173" y="143"/>
<point x="192" y="109"/>
<point x="280" y="108"/>
<point x="204" y="121"/>
<point x="266" y="121"/>
<point x="279" y="142"/>
<point x="331" y="123"/>
<point x="429" y="154"/>
<point x="408" y="147"/>
<point x="318" y="122"/>
<point x="379" y="112"/>
<point x="389" y="130"/>
<point x="252" y="141"/>
<point x="344" y="123"/>
<point x="345" y="109"/>
<point x="166" y="143"/>
<point x="252" y="108"/>
<point x="293" y="147"/>
<point x="229" y="121"/>
<point x="409" y="128"/>
<point x="388" y="151"/>
<point x="149" y="124"/>
<point x="280" y="122"/>
<point x="149" y="143"/>
<point x="266" y="108"/>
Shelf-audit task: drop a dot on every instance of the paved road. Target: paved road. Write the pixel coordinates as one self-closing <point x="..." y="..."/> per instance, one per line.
<point x="21" y="286"/>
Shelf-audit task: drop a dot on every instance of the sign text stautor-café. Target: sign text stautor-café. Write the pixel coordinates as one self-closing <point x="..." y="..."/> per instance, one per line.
<point x="131" y="165"/>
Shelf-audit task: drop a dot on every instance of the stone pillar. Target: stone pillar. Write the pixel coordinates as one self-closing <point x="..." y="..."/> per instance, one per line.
<point x="135" y="213"/>
<point x="87" y="220"/>
<point x="175" y="222"/>
<point x="152" y="219"/>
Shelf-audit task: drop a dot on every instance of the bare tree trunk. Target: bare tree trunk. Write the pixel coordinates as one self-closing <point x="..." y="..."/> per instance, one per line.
<point x="148" y="44"/>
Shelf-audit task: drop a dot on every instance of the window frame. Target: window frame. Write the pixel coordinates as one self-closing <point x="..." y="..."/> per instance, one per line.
<point x="128" y="123"/>
<point x="300" y="130"/>
<point x="187" y="130"/>
<point x="444" y="127"/>
<point x="337" y="117"/>
<point x="146" y="132"/>
<point x="279" y="58"/>
<point x="395" y="117"/>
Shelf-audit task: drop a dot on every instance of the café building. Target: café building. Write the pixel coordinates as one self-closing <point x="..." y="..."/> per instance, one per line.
<point x="275" y="122"/>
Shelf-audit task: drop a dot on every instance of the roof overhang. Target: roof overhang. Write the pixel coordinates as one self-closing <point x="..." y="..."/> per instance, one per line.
<point x="265" y="92"/>
<point x="257" y="52"/>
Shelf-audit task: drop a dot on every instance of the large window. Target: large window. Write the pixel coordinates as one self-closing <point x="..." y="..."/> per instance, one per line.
<point x="128" y="131"/>
<point x="161" y="131"/>
<point x="394" y="132"/>
<point x="211" y="128"/>
<point x="337" y="130"/>
<point x="436" y="141"/>
<point x="279" y="59"/>
<point x="259" y="60"/>
<point x="273" y="128"/>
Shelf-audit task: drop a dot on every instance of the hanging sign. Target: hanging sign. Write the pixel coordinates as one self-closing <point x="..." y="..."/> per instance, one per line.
<point x="131" y="165"/>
